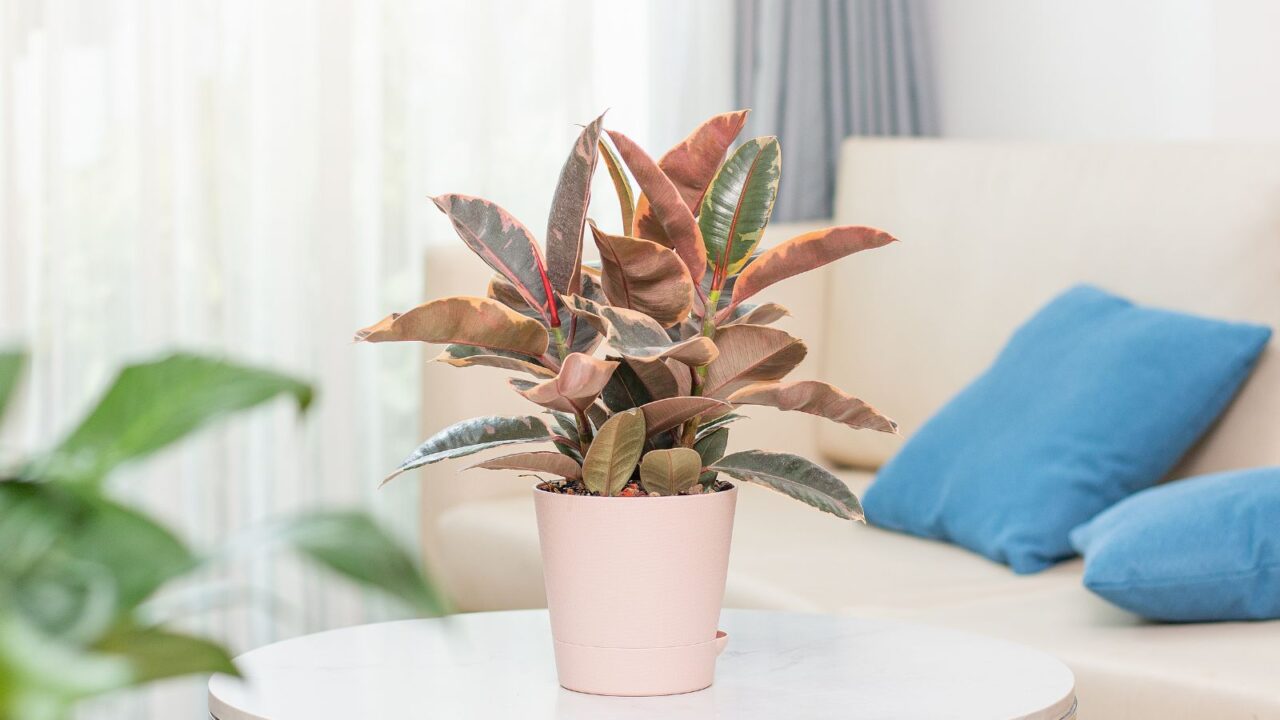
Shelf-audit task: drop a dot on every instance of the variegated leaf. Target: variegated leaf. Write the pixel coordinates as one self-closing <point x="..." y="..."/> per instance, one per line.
<point x="505" y="245"/>
<point x="801" y="254"/>
<point x="568" y="216"/>
<point x="665" y="414"/>
<point x="546" y="461"/>
<point x="710" y="448"/>
<point x="670" y="472"/>
<point x="472" y="436"/>
<point x="613" y="454"/>
<point x="672" y="213"/>
<point x="466" y="320"/>
<point x="757" y="314"/>
<point x="634" y="334"/>
<point x="815" y="398"/>
<point x="795" y="476"/>
<point x="575" y="387"/>
<point x="644" y="276"/>
<point x="469" y="355"/>
<point x="738" y="204"/>
<point x="621" y="186"/>
<point x="693" y="162"/>
<point x="710" y="426"/>
<point x="750" y="353"/>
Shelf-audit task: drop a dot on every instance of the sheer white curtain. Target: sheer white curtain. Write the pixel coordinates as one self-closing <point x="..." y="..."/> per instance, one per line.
<point x="251" y="178"/>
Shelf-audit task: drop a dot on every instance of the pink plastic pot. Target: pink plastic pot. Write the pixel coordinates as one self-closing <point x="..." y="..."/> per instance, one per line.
<point x="634" y="586"/>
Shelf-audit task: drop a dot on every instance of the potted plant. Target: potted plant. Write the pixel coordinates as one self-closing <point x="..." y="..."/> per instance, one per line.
<point x="635" y="517"/>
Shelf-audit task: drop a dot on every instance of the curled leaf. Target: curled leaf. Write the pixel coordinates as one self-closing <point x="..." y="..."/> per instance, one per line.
<point x="469" y="355"/>
<point x="750" y="353"/>
<point x="546" y="461"/>
<point x="575" y="387"/>
<point x="795" y="476"/>
<point x="673" y="214"/>
<point x="569" y="211"/>
<point x="644" y="276"/>
<point x="801" y="254"/>
<point x="621" y="186"/>
<point x="757" y="314"/>
<point x="670" y="472"/>
<point x="466" y="320"/>
<point x="613" y="454"/>
<point x="815" y="398"/>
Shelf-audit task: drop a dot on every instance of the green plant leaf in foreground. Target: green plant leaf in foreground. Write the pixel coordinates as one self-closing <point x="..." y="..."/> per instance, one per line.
<point x="11" y="362"/>
<point x="670" y="472"/>
<point x="472" y="436"/>
<point x="153" y="404"/>
<point x="794" y="476"/>
<point x="352" y="545"/>
<point x="738" y="204"/>
<point x="154" y="654"/>
<point x="613" y="454"/>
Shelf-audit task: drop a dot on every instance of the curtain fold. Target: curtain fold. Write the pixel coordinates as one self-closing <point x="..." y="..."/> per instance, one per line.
<point x="817" y="71"/>
<point x="252" y="179"/>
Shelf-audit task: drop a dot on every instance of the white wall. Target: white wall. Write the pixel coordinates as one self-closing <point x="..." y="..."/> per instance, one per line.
<point x="1107" y="69"/>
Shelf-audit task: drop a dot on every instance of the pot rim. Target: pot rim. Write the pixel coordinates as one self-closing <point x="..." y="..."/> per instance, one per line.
<point x="731" y="492"/>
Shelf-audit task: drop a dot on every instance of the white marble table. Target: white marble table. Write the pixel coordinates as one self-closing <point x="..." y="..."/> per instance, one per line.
<point x="777" y="665"/>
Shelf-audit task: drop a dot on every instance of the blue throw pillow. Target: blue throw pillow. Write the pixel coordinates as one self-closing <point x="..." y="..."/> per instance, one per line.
<point x="1206" y="548"/>
<point x="1092" y="400"/>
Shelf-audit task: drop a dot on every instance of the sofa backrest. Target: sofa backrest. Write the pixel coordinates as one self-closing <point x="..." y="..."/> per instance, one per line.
<point x="991" y="231"/>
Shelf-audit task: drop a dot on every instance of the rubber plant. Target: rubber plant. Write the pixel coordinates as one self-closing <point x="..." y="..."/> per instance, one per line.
<point x="673" y="304"/>
<point x="78" y="570"/>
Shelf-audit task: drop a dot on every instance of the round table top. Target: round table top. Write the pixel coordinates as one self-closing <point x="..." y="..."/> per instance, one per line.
<point x="500" y="665"/>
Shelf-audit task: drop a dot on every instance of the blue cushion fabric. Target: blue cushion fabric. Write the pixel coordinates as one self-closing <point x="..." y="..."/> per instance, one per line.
<point x="1200" y="549"/>
<point x="1093" y="399"/>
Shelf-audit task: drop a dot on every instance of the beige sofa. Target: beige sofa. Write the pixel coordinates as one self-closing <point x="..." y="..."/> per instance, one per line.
<point x="989" y="232"/>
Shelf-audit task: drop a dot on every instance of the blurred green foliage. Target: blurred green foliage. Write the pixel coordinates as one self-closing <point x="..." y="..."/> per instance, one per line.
<point x="75" y="566"/>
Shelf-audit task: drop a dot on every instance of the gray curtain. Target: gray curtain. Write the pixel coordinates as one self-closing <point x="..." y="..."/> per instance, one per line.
<point x="817" y="71"/>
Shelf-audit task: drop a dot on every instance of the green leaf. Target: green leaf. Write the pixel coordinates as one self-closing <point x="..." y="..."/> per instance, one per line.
<point x="11" y="362"/>
<point x="463" y="320"/>
<point x="154" y="654"/>
<point x="710" y="448"/>
<point x="547" y="461"/>
<point x="613" y="454"/>
<point x="569" y="211"/>
<point x="795" y="476"/>
<point x="801" y="254"/>
<point x="84" y="560"/>
<point x="472" y="436"/>
<point x="505" y="245"/>
<point x="738" y="203"/>
<point x="354" y="546"/>
<point x="644" y="276"/>
<point x="625" y="389"/>
<point x="675" y="217"/>
<point x="621" y="186"/>
<point x="815" y="398"/>
<point x="154" y="404"/>
<point x="670" y="472"/>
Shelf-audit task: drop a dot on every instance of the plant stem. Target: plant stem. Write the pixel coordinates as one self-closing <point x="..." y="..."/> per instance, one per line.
<point x="557" y="335"/>
<point x="585" y="434"/>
